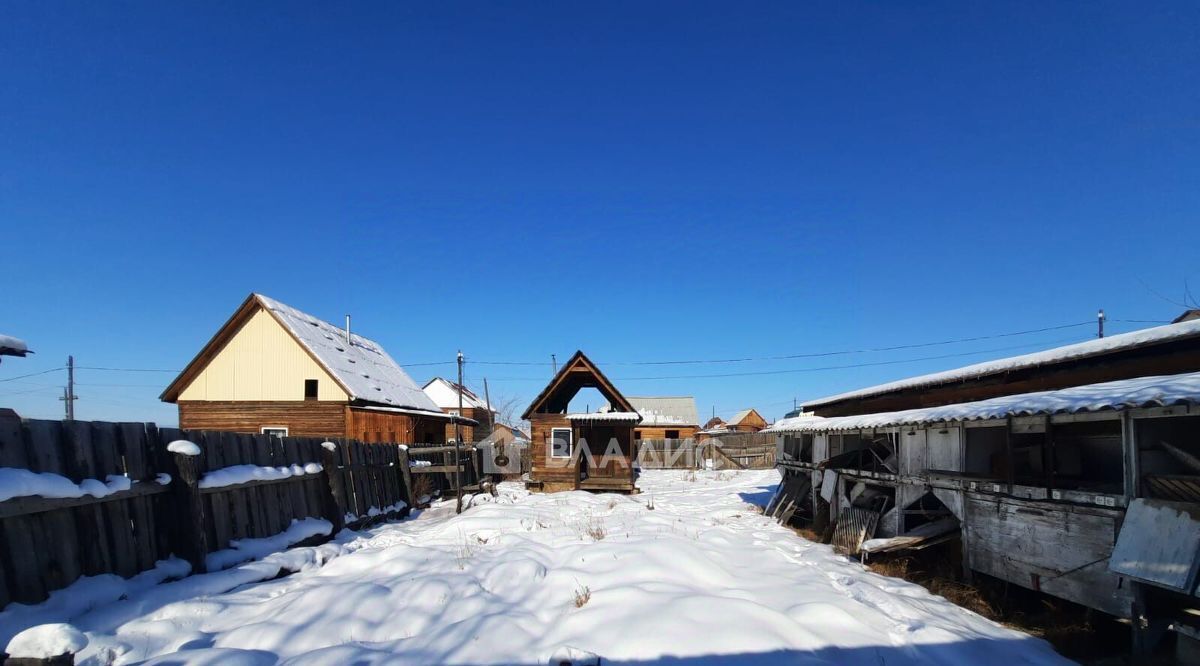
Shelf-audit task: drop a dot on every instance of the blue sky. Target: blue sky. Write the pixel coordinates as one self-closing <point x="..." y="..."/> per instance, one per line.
<point x="645" y="181"/>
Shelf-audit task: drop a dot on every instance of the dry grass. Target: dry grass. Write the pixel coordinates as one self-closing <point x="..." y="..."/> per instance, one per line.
<point x="595" y="529"/>
<point x="811" y="535"/>
<point x="1070" y="628"/>
<point x="582" y="596"/>
<point x="422" y="486"/>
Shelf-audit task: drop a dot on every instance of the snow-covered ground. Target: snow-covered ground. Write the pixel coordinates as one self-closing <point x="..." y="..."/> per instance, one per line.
<point x="687" y="572"/>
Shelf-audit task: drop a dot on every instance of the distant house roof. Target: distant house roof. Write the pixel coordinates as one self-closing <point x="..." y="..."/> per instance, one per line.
<point x="10" y="346"/>
<point x="1188" y="315"/>
<point x="362" y="368"/>
<point x="1080" y="350"/>
<point x="444" y="393"/>
<point x="736" y="419"/>
<point x="1158" y="391"/>
<point x="664" y="410"/>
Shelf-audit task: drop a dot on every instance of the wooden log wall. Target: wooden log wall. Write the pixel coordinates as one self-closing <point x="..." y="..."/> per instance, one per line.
<point x="47" y="543"/>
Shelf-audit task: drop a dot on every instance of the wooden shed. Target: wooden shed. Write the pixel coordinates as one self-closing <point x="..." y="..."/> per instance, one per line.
<point x="585" y="451"/>
<point x="1088" y="491"/>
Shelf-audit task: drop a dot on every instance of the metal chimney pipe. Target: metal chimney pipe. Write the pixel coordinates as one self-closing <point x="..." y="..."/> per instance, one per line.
<point x="348" y="343"/>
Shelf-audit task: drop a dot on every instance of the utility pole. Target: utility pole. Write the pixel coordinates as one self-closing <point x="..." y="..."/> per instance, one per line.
<point x="68" y="396"/>
<point x="458" y="436"/>
<point x="487" y="398"/>
<point x="554" y="362"/>
<point x="1100" y="323"/>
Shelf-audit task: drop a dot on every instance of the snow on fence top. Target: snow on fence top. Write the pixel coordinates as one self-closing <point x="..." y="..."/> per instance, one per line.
<point x="362" y="367"/>
<point x="1099" y="346"/>
<point x="600" y="417"/>
<point x="184" y="447"/>
<point x="1158" y="391"/>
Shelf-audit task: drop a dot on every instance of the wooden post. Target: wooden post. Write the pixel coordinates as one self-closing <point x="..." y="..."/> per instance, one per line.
<point x="67" y="659"/>
<point x="191" y="535"/>
<point x="406" y="478"/>
<point x="331" y="502"/>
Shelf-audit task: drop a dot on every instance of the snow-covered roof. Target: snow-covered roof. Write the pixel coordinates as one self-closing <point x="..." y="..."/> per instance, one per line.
<point x="444" y="394"/>
<point x="10" y="346"/>
<point x="600" y="417"/>
<point x="1157" y="391"/>
<point x="1097" y="347"/>
<point x="362" y="367"/>
<point x="433" y="414"/>
<point x="664" y="410"/>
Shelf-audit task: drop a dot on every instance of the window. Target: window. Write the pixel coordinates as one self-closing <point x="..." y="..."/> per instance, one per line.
<point x="672" y="434"/>
<point x="637" y="434"/>
<point x="275" y="431"/>
<point x="560" y="443"/>
<point x="310" y="389"/>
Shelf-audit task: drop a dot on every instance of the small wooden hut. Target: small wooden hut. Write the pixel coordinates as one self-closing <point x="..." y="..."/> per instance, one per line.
<point x="587" y="451"/>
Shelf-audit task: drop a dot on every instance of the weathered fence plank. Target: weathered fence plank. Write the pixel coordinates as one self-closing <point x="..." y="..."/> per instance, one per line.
<point x="47" y="543"/>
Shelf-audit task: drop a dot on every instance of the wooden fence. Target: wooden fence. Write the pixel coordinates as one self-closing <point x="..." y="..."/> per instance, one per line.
<point x="158" y="503"/>
<point x="734" y="451"/>
<point x="669" y="454"/>
<point x="747" y="450"/>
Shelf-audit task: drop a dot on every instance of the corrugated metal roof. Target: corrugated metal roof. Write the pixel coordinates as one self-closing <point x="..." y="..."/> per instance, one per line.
<point x="362" y="367"/>
<point x="1157" y="391"/>
<point x="1097" y="347"/>
<point x="664" y="410"/>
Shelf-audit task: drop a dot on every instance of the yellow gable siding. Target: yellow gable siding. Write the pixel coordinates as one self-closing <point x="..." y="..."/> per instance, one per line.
<point x="261" y="362"/>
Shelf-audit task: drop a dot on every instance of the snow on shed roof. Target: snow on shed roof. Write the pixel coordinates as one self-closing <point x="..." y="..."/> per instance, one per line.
<point x="1097" y="347"/>
<point x="10" y="346"/>
<point x="1157" y="391"/>
<point x="444" y="394"/>
<point x="362" y="367"/>
<point x="664" y="410"/>
<point x="601" y="417"/>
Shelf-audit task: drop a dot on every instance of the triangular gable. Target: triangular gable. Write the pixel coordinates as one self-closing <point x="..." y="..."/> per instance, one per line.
<point x="224" y="335"/>
<point x="362" y="369"/>
<point x="218" y="341"/>
<point x="577" y="373"/>
<point x="741" y="417"/>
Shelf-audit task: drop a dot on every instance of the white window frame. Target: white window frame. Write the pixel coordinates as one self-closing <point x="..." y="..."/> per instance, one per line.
<point x="570" y="442"/>
<point x="263" y="430"/>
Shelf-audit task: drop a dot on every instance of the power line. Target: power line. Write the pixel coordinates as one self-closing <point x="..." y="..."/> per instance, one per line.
<point x="89" y="367"/>
<point x="33" y="374"/>
<point x="815" y="369"/>
<point x="784" y="357"/>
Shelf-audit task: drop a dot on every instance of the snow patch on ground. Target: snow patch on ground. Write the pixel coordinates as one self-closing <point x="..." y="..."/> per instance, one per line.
<point x="83" y="595"/>
<point x="242" y="550"/>
<point x="45" y="641"/>
<point x="701" y="578"/>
